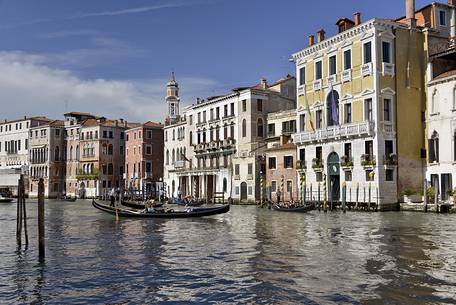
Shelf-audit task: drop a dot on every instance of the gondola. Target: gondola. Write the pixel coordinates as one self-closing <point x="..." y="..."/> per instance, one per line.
<point x="297" y="209"/>
<point x="139" y="205"/>
<point x="183" y="203"/>
<point x="162" y="213"/>
<point x="6" y="200"/>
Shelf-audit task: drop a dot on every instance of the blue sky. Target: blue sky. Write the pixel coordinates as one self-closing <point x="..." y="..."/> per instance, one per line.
<point x="113" y="57"/>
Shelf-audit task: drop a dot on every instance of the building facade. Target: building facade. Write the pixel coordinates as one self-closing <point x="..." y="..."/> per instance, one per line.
<point x="14" y="151"/>
<point x="281" y="165"/>
<point x="144" y="159"/>
<point x="216" y="146"/>
<point x="46" y="155"/>
<point x="352" y="88"/>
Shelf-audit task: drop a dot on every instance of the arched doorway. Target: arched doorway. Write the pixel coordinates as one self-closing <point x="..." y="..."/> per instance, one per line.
<point x="334" y="176"/>
<point x="243" y="191"/>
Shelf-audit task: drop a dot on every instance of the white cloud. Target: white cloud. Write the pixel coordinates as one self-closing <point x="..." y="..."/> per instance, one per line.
<point x="28" y="87"/>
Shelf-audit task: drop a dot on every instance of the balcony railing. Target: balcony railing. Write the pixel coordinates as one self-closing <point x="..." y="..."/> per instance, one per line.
<point x="317" y="164"/>
<point x="335" y="132"/>
<point x="346" y="75"/>
<point x="366" y="69"/>
<point x="317" y="84"/>
<point x="388" y="69"/>
<point x="390" y="160"/>
<point x="368" y="160"/>
<point x="301" y="165"/>
<point x="179" y="164"/>
<point x="346" y="161"/>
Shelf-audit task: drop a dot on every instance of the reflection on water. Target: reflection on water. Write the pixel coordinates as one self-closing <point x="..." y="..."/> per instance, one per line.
<point x="245" y="256"/>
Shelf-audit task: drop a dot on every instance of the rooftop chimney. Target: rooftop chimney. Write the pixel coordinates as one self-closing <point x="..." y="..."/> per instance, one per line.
<point x="410" y="13"/>
<point x="311" y="40"/>
<point x="321" y="35"/>
<point x="357" y="16"/>
<point x="264" y="83"/>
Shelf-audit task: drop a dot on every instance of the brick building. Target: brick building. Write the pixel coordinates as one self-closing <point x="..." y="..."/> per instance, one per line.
<point x="144" y="158"/>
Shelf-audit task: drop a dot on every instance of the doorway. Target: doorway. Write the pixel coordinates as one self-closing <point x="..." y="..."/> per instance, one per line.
<point x="243" y="191"/>
<point x="334" y="176"/>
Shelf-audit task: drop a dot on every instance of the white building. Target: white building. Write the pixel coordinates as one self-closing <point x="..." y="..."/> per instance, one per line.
<point x="14" y="150"/>
<point x="217" y="145"/>
<point x="441" y="128"/>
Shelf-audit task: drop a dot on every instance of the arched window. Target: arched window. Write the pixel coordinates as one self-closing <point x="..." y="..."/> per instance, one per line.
<point x="57" y="153"/>
<point x="260" y="128"/>
<point x="110" y="169"/>
<point x="173" y="159"/>
<point x="191" y="138"/>
<point x="167" y="157"/>
<point x="105" y="149"/>
<point x="77" y="152"/>
<point x="71" y="152"/>
<point x="434" y="148"/>
<point x="244" y="128"/>
<point x="332" y="108"/>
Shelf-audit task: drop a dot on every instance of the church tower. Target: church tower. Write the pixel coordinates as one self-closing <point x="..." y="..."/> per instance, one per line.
<point x="172" y="98"/>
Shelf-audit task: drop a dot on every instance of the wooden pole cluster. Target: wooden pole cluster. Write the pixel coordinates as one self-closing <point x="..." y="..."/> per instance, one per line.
<point x="41" y="241"/>
<point x="21" y="220"/>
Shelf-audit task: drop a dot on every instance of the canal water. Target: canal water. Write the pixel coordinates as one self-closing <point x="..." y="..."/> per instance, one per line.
<point x="248" y="256"/>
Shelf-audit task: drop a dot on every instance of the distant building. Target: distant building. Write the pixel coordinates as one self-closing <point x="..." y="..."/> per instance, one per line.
<point x="144" y="159"/>
<point x="46" y="146"/>
<point x="14" y="150"/>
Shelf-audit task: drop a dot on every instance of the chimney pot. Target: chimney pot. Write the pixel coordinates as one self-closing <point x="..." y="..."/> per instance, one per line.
<point x="311" y="40"/>
<point x="321" y="35"/>
<point x="357" y="16"/>
<point x="264" y="83"/>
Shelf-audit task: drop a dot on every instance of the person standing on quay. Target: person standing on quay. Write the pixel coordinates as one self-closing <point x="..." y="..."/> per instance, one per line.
<point x="112" y="196"/>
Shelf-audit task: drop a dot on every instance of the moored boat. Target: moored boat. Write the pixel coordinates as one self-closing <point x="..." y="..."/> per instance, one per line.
<point x="5" y="200"/>
<point x="162" y="213"/>
<point x="296" y="209"/>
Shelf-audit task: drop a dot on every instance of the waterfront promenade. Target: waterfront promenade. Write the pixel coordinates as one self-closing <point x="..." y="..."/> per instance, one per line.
<point x="249" y="255"/>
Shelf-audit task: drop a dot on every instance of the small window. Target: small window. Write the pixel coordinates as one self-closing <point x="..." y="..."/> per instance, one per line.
<point x="302" y="76"/>
<point x="319" y="119"/>
<point x="289" y="186"/>
<point x="442" y="18"/>
<point x="250" y="169"/>
<point x="332" y="65"/>
<point x="367" y="52"/>
<point x="288" y="161"/>
<point x="389" y="175"/>
<point x="347" y="113"/>
<point x="302" y="122"/>
<point x="259" y="105"/>
<point x="318" y="70"/>
<point x="237" y="169"/>
<point x="368" y="116"/>
<point x="272" y="162"/>
<point x="273" y="186"/>
<point x="244" y="105"/>
<point x="347" y="60"/>
<point x="386" y="52"/>
<point x="387" y="110"/>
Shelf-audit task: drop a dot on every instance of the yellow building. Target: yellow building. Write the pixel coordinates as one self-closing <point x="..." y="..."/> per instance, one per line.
<point x="361" y="95"/>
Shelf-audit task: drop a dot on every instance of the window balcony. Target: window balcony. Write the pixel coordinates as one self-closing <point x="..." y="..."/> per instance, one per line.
<point x="387" y="69"/>
<point x="387" y="128"/>
<point x="317" y="164"/>
<point x="390" y="161"/>
<point x="302" y="90"/>
<point x="368" y="161"/>
<point x="335" y="132"/>
<point x="317" y="85"/>
<point x="332" y="79"/>
<point x="366" y="69"/>
<point x="346" y="162"/>
<point x="346" y="75"/>
<point x="301" y="165"/>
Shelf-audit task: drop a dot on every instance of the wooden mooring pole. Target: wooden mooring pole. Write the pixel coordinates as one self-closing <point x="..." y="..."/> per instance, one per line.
<point x="344" y="196"/>
<point x="21" y="221"/>
<point x="41" y="241"/>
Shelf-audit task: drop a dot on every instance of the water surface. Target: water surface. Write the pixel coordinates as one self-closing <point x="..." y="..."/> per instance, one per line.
<point x="248" y="256"/>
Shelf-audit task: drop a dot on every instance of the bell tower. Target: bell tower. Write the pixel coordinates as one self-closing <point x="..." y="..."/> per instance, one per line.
<point x="172" y="98"/>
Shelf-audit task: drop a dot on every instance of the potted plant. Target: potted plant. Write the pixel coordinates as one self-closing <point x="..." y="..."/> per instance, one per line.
<point x="430" y="193"/>
<point x="411" y="196"/>
<point x="452" y="196"/>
